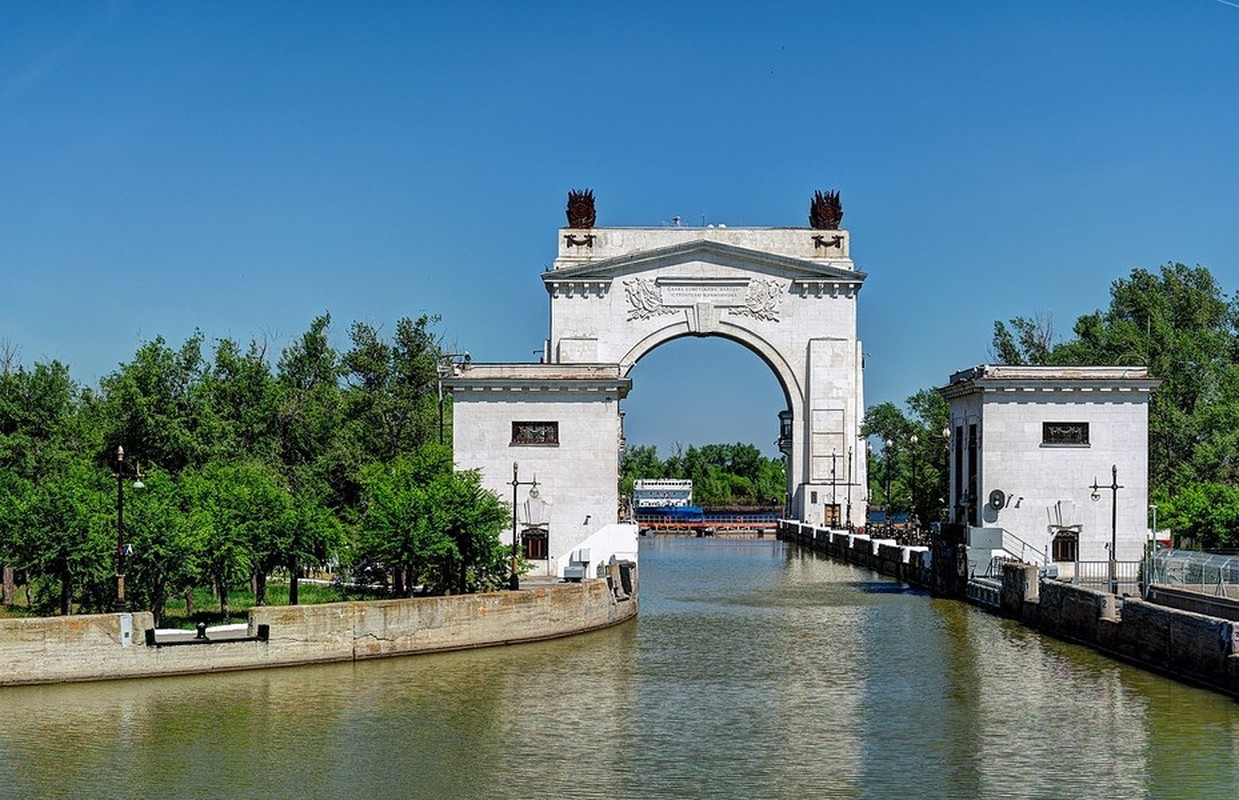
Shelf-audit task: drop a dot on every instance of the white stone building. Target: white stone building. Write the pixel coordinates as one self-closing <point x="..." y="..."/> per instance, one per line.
<point x="787" y="294"/>
<point x="560" y="425"/>
<point x="1027" y="446"/>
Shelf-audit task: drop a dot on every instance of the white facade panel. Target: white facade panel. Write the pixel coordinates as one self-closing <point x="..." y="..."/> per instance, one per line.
<point x="577" y="477"/>
<point x="1036" y="482"/>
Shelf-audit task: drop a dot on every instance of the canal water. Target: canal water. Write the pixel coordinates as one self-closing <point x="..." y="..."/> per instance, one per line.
<point x="755" y="670"/>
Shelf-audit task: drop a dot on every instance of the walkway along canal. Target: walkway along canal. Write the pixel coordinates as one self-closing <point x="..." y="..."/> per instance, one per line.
<point x="1188" y="646"/>
<point x="755" y="669"/>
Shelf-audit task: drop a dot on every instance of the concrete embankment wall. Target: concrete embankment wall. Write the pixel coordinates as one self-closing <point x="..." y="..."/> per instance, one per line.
<point x="89" y="647"/>
<point x="1209" y="604"/>
<point x="1193" y="647"/>
<point x="908" y="564"/>
<point x="1182" y="644"/>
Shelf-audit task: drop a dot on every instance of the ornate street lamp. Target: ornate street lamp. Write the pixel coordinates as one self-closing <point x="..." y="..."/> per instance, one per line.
<point x="123" y="471"/>
<point x="868" y="478"/>
<point x="1114" y="521"/>
<point x="849" y="511"/>
<point x="514" y="581"/>
<point x="834" y="490"/>
<point x="913" y="440"/>
<point x="890" y="446"/>
<point x="946" y="514"/>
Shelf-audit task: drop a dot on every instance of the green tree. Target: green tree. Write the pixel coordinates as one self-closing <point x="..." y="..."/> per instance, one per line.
<point x="241" y="403"/>
<point x="639" y="463"/>
<point x="1203" y="515"/>
<point x="311" y="534"/>
<point x="1178" y="323"/>
<point x="429" y="525"/>
<point x="917" y="457"/>
<point x="770" y="487"/>
<point x="310" y="418"/>
<point x="63" y="538"/>
<point x="39" y="411"/>
<point x="722" y="474"/>
<point x="235" y="513"/>
<point x="392" y="387"/>
<point x="154" y="405"/>
<point x="1031" y="343"/>
<point x="472" y="518"/>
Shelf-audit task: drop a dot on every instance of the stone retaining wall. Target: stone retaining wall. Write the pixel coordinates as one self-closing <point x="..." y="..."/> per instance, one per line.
<point x="1190" y="646"/>
<point x="908" y="564"/>
<point x="1185" y="599"/>
<point x="89" y="647"/>
<point x="1182" y="644"/>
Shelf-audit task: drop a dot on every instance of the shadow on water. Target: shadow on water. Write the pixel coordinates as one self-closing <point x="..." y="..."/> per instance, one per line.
<point x="887" y="587"/>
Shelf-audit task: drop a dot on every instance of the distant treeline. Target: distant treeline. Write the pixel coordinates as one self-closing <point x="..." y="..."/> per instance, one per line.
<point x="722" y="474"/>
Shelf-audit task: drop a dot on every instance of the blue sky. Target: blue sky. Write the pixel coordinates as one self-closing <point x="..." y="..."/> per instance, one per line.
<point x="243" y="167"/>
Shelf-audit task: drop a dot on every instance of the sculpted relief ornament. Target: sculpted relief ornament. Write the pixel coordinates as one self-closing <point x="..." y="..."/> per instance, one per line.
<point x="759" y="298"/>
<point x="762" y="301"/>
<point x="645" y="299"/>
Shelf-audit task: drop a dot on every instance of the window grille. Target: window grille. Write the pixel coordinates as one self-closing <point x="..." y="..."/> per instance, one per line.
<point x="1065" y="547"/>
<point x="535" y="433"/>
<point x="1064" y="433"/>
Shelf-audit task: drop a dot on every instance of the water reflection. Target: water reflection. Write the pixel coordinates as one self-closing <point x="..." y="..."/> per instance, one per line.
<point x="754" y="670"/>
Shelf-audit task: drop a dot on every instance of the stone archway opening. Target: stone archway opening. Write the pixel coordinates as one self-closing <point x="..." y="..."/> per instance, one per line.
<point x="697" y="391"/>
<point x="715" y="384"/>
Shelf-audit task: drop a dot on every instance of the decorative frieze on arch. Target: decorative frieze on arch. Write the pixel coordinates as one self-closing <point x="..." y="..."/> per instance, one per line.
<point x="759" y="298"/>
<point x="787" y="298"/>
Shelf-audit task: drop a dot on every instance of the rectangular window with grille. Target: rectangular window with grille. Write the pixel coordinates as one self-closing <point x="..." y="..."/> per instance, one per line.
<point x="1064" y="433"/>
<point x="535" y="542"/>
<point x="1065" y="547"/>
<point x="535" y="433"/>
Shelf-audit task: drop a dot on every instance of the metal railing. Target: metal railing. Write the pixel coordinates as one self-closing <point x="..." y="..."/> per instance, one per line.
<point x="1097" y="574"/>
<point x="994" y="570"/>
<point x="1026" y="552"/>
<point x="1014" y="546"/>
<point x="1210" y="573"/>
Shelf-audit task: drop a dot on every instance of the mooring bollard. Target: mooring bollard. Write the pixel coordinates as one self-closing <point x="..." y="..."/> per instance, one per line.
<point x="201" y="631"/>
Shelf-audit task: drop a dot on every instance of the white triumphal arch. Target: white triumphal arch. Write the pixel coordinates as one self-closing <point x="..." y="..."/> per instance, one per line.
<point x="787" y="294"/>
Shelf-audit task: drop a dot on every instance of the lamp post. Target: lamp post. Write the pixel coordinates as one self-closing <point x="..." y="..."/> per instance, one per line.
<point x="834" y="491"/>
<point x="945" y="485"/>
<point x="514" y="581"/>
<point x="446" y="367"/>
<point x="913" y="440"/>
<point x="122" y="472"/>
<point x="849" y="511"/>
<point x="1114" y="519"/>
<point x="890" y="446"/>
<point x="869" y="476"/>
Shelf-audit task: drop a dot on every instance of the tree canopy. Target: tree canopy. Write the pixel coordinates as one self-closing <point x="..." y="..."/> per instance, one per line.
<point x="909" y="474"/>
<point x="722" y="474"/>
<point x="249" y="468"/>
<point x="1179" y="323"/>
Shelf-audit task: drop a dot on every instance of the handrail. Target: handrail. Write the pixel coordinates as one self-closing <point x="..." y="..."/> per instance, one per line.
<point x="1024" y="548"/>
